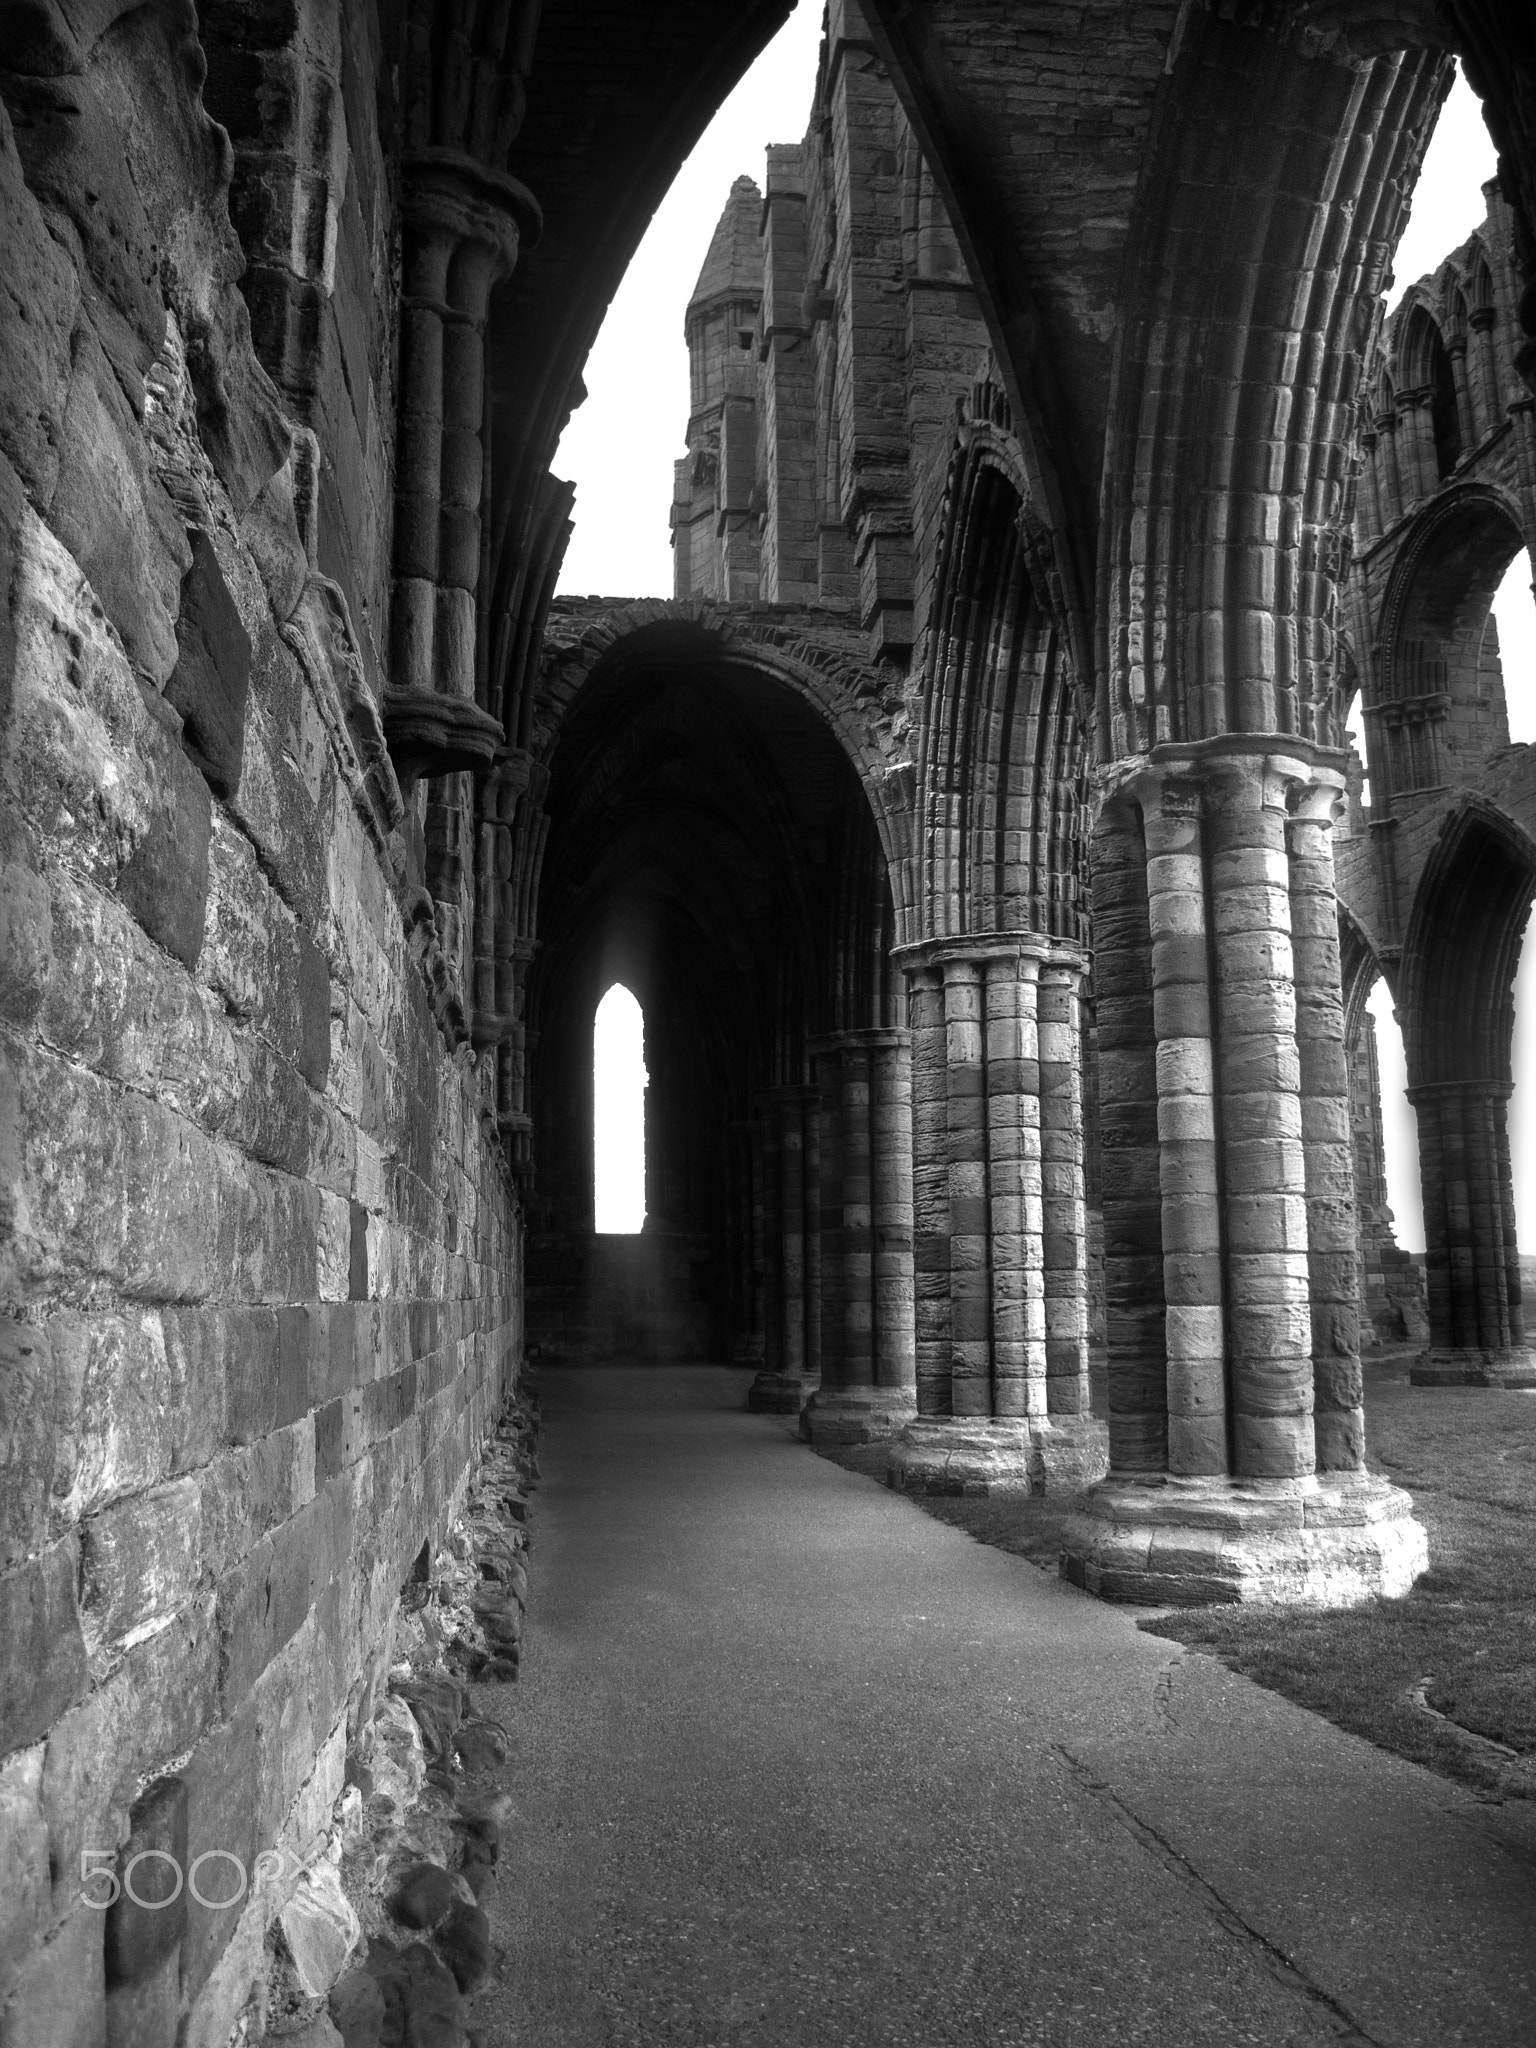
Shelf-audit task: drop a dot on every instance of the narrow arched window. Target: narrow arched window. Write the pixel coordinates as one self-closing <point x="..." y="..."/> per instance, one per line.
<point x="618" y="1112"/>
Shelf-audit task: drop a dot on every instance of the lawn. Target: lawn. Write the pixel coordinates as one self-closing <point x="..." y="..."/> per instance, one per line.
<point x="1446" y="1676"/>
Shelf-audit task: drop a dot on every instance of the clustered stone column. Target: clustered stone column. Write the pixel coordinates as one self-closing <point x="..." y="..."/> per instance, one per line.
<point x="1237" y="1469"/>
<point x="1471" y="1262"/>
<point x="462" y="225"/>
<point x="867" y="1391"/>
<point x="1002" y="1365"/>
<point x="792" y="1319"/>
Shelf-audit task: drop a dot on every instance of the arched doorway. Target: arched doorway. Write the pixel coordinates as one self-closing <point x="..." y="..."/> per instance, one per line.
<point x="713" y="853"/>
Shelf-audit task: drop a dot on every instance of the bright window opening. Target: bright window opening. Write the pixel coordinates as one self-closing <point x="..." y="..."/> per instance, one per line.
<point x="1522" y="1106"/>
<point x="618" y="1112"/>
<point x="1399" y="1125"/>
<point x="1355" y="727"/>
<point x="1448" y="200"/>
<point x="1515" y="612"/>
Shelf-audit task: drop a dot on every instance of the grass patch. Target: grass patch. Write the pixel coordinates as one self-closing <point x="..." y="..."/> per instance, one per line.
<point x="1466" y="1634"/>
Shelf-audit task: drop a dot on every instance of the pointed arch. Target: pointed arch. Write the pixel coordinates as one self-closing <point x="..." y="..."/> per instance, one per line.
<point x="1463" y="945"/>
<point x="1003" y="756"/>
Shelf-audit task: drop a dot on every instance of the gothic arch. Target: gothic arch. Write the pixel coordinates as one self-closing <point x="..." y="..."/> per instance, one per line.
<point x="860" y="706"/>
<point x="1463" y="946"/>
<point x="1432" y="661"/>
<point x="1002" y="762"/>
<point x="1360" y="965"/>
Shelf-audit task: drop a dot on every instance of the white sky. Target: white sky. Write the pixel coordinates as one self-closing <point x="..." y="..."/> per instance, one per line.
<point x="620" y="446"/>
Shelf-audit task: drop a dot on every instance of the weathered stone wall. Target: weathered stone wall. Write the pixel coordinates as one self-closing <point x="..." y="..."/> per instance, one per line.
<point x="259" y="1251"/>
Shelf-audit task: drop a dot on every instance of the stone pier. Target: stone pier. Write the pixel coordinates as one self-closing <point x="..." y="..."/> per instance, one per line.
<point x="1236" y="1445"/>
<point x="868" y="1378"/>
<point x="1002" y="1314"/>
<point x="792" y="1323"/>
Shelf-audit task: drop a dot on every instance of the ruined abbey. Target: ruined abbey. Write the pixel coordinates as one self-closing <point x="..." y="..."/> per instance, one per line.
<point x="976" y="825"/>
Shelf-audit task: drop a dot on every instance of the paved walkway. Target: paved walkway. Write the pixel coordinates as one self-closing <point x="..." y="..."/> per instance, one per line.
<point x="797" y="1764"/>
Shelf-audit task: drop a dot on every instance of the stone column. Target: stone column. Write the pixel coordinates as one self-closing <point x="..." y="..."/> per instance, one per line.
<point x="1327" y="1135"/>
<point x="868" y="1360"/>
<point x="793" y="1323"/>
<point x="1261" y="1493"/>
<point x="1416" y="444"/>
<point x="1471" y="1260"/>
<point x="462" y="226"/>
<point x="986" y="1422"/>
<point x="1391" y="494"/>
<point x="748" y="1347"/>
<point x="1064" y="1208"/>
<point x="1487" y="412"/>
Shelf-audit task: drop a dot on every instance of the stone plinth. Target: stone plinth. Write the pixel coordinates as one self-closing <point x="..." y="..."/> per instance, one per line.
<point x="856" y="1415"/>
<point x="1336" y="1540"/>
<point x="1473" y="1365"/>
<point x="1000" y="1455"/>
<point x="780" y="1393"/>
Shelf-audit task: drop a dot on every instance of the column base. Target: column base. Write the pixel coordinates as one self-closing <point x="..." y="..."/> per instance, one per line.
<point x="979" y="1456"/>
<point x="1473" y="1366"/>
<point x="780" y="1393"/>
<point x="1334" y="1541"/>
<point x="856" y="1415"/>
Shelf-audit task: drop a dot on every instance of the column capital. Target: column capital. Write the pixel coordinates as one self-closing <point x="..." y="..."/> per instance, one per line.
<point x="1067" y="961"/>
<point x="875" y="1039"/>
<point x="972" y="947"/>
<point x="1450" y="1091"/>
<point x="1179" y="775"/>
<point x="449" y="193"/>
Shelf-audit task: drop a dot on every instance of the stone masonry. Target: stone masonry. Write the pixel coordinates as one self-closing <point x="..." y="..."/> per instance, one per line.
<point x="975" y="824"/>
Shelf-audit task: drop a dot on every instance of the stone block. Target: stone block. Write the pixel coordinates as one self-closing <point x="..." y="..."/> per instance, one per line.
<point x="314" y="1052"/>
<point x="144" y="2014"/>
<point x="113" y="515"/>
<point x="58" y="1999"/>
<point x="155" y="1705"/>
<point x="222" y="1778"/>
<point x="39" y="294"/>
<point x="26" y="1439"/>
<point x="195" y="1355"/>
<point x="249" y="1340"/>
<point x="111" y="1400"/>
<point x="211" y="680"/>
<point x="24" y="1883"/>
<point x="146" y="1921"/>
<point x="320" y="1928"/>
<point x="139" y="1563"/>
<point x="265" y="1599"/>
<point x="164" y="883"/>
<point x="44" y="1670"/>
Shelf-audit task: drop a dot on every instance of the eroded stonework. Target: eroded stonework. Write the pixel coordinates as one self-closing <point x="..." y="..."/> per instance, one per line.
<point x="965" y="823"/>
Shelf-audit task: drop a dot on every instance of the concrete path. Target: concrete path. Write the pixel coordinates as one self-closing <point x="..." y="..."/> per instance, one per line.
<point x="796" y="1763"/>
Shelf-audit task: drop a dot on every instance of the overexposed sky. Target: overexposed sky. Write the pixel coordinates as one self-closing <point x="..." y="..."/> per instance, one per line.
<point x="620" y="446"/>
<point x="1448" y="200"/>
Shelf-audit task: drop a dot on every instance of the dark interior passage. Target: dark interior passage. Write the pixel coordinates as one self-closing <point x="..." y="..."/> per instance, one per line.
<point x="712" y="849"/>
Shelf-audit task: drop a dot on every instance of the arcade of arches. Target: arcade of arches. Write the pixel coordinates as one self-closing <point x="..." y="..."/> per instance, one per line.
<point x="975" y="825"/>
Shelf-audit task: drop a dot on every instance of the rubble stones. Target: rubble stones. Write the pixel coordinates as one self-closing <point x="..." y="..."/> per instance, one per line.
<point x="464" y="1941"/>
<point x="320" y="1928"/>
<point x="424" y="1896"/>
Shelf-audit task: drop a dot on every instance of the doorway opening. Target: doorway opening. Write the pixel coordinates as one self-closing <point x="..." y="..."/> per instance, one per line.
<point x="618" y="1114"/>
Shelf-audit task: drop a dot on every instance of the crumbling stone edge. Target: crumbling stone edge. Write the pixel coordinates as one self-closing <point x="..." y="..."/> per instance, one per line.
<point x="376" y="1931"/>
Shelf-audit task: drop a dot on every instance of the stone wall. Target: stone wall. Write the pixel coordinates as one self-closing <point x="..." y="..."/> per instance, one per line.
<point x="259" y="1251"/>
